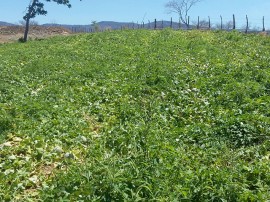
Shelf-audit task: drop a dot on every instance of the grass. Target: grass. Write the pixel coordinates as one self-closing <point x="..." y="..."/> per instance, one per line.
<point x="136" y="115"/>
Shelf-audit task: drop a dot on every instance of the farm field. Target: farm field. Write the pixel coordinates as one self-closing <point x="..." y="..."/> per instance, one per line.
<point x="136" y="115"/>
<point x="9" y="34"/>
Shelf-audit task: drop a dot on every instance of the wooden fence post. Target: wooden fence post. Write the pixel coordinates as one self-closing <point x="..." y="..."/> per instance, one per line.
<point x="247" y="24"/>
<point x="263" y="25"/>
<point x="221" y="23"/>
<point x="188" y="23"/>
<point x="233" y="21"/>
<point x="209" y="23"/>
<point x="198" y="23"/>
<point x="171" y="24"/>
<point x="155" y="26"/>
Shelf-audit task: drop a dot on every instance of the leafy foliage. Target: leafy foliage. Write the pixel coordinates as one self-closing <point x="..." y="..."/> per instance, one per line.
<point x="136" y="115"/>
<point x="36" y="7"/>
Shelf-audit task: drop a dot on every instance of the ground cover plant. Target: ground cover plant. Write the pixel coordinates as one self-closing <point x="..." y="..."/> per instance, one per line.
<point x="136" y="115"/>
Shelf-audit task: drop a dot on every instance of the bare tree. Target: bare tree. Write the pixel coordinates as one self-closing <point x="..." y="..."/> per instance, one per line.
<point x="203" y="24"/>
<point x="181" y="7"/>
<point x="229" y="25"/>
<point x="31" y="23"/>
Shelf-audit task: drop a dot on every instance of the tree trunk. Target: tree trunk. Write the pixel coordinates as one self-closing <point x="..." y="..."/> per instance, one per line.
<point x="26" y="29"/>
<point x="28" y="17"/>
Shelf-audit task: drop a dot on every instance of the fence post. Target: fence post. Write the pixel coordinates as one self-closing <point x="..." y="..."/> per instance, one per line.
<point x="233" y="21"/>
<point x="263" y="25"/>
<point x="149" y="24"/>
<point x="171" y="23"/>
<point x="179" y="24"/>
<point x="247" y="24"/>
<point x="155" y="26"/>
<point x="198" y="24"/>
<point x="221" y="23"/>
<point x="209" y="23"/>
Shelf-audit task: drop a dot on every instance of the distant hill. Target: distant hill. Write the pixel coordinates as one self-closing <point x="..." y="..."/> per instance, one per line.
<point x="118" y="25"/>
<point x="101" y="25"/>
<point x="109" y="25"/>
<point x="6" y="24"/>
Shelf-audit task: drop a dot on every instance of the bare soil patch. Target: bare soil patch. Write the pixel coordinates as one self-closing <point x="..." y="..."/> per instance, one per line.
<point x="13" y="33"/>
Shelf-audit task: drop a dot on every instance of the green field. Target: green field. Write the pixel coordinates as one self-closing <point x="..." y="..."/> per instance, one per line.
<point x="136" y="115"/>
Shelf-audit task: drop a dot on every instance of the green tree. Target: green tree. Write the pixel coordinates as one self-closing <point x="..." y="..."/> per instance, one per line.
<point x="95" y="26"/>
<point x="36" y="7"/>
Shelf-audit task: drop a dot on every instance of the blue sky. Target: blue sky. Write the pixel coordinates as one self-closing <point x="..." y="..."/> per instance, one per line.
<point x="86" y="11"/>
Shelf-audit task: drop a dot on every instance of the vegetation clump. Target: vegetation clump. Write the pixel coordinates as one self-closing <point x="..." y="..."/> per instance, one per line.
<point x="136" y="115"/>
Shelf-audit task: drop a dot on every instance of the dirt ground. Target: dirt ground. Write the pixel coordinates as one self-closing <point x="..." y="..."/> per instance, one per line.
<point x="13" y="33"/>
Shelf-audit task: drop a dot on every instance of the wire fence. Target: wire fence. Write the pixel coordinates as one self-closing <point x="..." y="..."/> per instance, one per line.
<point x="243" y="24"/>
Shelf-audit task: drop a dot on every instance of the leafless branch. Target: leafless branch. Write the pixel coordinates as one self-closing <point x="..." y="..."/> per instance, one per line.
<point x="181" y="7"/>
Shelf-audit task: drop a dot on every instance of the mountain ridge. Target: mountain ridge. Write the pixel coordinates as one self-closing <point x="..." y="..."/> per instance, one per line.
<point x="107" y="25"/>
